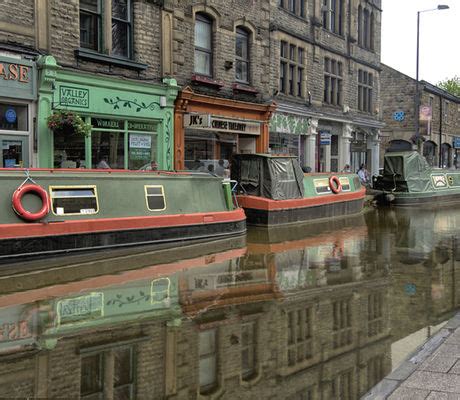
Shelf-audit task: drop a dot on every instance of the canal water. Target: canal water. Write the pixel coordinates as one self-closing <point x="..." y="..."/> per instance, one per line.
<point x="303" y="312"/>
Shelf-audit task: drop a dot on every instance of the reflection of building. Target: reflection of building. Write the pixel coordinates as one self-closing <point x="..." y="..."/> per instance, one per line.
<point x="439" y="117"/>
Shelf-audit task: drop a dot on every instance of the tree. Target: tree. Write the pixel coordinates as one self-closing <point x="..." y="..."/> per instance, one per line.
<point x="451" y="85"/>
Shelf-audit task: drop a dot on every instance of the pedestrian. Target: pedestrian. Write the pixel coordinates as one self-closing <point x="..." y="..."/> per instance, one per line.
<point x="153" y="165"/>
<point x="363" y="175"/>
<point x="346" y="168"/>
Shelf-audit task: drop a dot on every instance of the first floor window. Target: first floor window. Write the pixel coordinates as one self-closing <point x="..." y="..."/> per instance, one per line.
<point x="248" y="349"/>
<point x="299" y="344"/>
<point x="121" y="28"/>
<point x="203" y="45"/>
<point x="94" y="379"/>
<point x="208" y="360"/>
<point x="365" y="85"/>
<point x="341" y="328"/>
<point x="90" y="24"/>
<point x="242" y="55"/>
<point x="332" y="81"/>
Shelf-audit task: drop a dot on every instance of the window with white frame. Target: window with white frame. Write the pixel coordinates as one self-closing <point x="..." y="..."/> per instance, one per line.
<point x="333" y="16"/>
<point x="365" y="86"/>
<point x="292" y="69"/>
<point x="93" y="31"/>
<point x="333" y="75"/>
<point x="242" y="55"/>
<point x="203" y="45"/>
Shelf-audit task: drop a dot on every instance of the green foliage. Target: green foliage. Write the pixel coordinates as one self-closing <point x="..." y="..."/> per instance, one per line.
<point x="68" y="122"/>
<point x="451" y="85"/>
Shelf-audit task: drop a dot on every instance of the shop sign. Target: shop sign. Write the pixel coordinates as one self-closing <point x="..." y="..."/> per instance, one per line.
<point x="16" y="327"/>
<point x="217" y="124"/>
<point x="73" y="97"/>
<point x="324" y="138"/>
<point x="107" y="123"/>
<point x="18" y="78"/>
<point x="456" y="142"/>
<point x="80" y="308"/>
<point x="140" y="141"/>
<point x="141" y="126"/>
<point x="291" y="124"/>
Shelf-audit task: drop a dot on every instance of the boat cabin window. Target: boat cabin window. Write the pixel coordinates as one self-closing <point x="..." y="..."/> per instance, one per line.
<point x="322" y="186"/>
<point x="155" y="198"/>
<point x="284" y="170"/>
<point x="74" y="200"/>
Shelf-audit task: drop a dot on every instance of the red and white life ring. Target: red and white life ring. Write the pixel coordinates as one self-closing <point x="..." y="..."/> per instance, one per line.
<point x="21" y="211"/>
<point x="334" y="184"/>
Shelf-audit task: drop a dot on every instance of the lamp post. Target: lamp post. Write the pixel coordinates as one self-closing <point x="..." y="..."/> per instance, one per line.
<point x="417" y="90"/>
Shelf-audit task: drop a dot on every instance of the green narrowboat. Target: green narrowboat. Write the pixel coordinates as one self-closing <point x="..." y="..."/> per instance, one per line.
<point x="60" y="211"/>
<point x="273" y="190"/>
<point x="409" y="180"/>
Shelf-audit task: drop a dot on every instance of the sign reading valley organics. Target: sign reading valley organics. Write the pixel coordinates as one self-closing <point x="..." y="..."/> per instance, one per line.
<point x="218" y="124"/>
<point x="73" y="96"/>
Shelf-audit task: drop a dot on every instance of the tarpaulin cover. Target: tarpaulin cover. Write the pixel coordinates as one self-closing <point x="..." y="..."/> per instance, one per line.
<point x="407" y="171"/>
<point x="273" y="177"/>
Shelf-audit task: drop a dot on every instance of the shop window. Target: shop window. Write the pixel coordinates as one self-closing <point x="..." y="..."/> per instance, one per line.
<point x="292" y="69"/>
<point x="299" y="341"/>
<point x="333" y="74"/>
<point x="208" y="360"/>
<point x="333" y="16"/>
<point x="74" y="200"/>
<point x="69" y="150"/>
<point x="13" y="117"/>
<point x="94" y="377"/>
<point x="248" y="350"/>
<point x="203" y="45"/>
<point x="365" y="86"/>
<point x="242" y="56"/>
<point x="107" y="149"/>
<point x="341" y="328"/>
<point x="91" y="26"/>
<point x="365" y="28"/>
<point x="284" y="143"/>
<point x="155" y="198"/>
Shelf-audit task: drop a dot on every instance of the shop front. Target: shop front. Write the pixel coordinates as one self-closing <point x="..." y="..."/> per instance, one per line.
<point x="209" y="130"/>
<point x="131" y="122"/>
<point x="18" y="92"/>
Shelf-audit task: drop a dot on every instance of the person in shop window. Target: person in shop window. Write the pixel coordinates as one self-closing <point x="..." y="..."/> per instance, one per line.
<point x="363" y="175"/>
<point x="103" y="163"/>
<point x="153" y="165"/>
<point x="346" y="168"/>
<point x="220" y="170"/>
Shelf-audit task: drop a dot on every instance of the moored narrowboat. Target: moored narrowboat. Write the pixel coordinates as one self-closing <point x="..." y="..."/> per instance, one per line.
<point x="273" y="189"/>
<point x="58" y="211"/>
<point x="409" y="180"/>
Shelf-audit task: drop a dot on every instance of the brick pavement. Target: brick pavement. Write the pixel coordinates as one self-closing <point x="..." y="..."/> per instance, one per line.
<point x="431" y="373"/>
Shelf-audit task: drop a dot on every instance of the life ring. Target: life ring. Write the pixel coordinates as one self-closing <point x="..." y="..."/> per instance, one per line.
<point x="334" y="184"/>
<point x="21" y="211"/>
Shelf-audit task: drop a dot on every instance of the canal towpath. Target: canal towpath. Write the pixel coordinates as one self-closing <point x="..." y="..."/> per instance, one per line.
<point x="432" y="372"/>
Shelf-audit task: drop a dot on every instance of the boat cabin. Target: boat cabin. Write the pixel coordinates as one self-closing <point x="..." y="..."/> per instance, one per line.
<point x="271" y="176"/>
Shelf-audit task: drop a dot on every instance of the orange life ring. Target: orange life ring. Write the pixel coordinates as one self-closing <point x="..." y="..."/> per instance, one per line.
<point x="334" y="184"/>
<point x="21" y="211"/>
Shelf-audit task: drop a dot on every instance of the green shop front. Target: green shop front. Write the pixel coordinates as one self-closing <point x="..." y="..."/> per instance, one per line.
<point x="131" y="122"/>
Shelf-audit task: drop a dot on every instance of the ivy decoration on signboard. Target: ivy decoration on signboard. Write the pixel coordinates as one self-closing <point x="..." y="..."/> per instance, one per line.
<point x="117" y="102"/>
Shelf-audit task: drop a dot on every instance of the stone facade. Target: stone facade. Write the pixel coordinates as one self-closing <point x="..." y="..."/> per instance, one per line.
<point x="343" y="120"/>
<point x="398" y="96"/>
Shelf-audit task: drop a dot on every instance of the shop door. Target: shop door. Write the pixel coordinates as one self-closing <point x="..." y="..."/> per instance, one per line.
<point x="15" y="151"/>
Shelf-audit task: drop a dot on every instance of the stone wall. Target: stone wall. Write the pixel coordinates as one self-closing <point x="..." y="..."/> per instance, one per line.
<point x="17" y="22"/>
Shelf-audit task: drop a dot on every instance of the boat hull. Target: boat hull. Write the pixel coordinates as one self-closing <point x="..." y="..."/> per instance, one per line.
<point x="432" y="198"/>
<point x="262" y="211"/>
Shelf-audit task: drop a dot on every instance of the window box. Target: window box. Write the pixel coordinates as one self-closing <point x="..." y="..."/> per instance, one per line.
<point x="204" y="80"/>
<point x="241" y="88"/>
<point x="88" y="55"/>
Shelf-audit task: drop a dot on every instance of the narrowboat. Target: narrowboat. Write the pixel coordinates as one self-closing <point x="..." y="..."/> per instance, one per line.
<point x="273" y="189"/>
<point x="50" y="211"/>
<point x="408" y="180"/>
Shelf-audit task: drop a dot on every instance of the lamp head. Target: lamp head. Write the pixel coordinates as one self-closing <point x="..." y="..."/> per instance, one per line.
<point x="443" y="7"/>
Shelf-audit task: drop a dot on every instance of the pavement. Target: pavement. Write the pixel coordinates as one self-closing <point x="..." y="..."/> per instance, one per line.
<point x="432" y="372"/>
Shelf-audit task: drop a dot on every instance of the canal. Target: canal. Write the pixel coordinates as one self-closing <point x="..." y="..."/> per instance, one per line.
<point x="303" y="312"/>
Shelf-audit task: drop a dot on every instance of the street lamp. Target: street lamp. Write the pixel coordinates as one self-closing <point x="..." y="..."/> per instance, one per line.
<point x="417" y="92"/>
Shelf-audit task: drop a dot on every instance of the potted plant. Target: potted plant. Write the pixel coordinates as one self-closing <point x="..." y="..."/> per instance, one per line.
<point x="68" y="123"/>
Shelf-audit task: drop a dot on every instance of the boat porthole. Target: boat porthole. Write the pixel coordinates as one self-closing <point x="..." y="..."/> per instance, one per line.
<point x="334" y="184"/>
<point x="21" y="211"/>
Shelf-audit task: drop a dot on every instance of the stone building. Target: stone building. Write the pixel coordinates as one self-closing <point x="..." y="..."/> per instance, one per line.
<point x="99" y="59"/>
<point x="439" y="118"/>
<point x="219" y="55"/>
<point x="325" y="74"/>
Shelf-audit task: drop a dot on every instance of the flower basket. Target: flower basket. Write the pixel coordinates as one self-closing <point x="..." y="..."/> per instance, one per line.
<point x="69" y="123"/>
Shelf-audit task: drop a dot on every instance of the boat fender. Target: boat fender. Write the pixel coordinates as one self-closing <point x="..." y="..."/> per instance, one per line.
<point x="334" y="184"/>
<point x="21" y="211"/>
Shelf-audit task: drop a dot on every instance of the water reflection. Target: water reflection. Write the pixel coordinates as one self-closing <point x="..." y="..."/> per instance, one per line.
<point x="298" y="312"/>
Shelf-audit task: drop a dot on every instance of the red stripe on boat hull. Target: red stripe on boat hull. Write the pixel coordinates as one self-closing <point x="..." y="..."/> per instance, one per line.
<point x="26" y="230"/>
<point x="261" y="203"/>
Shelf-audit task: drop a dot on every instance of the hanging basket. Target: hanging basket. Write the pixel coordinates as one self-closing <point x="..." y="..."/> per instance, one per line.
<point x="68" y="123"/>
